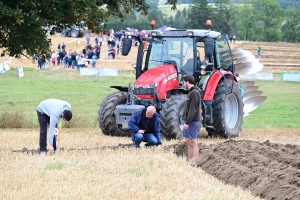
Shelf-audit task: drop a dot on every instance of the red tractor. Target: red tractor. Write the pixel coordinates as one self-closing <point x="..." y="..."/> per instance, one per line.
<point x="159" y="70"/>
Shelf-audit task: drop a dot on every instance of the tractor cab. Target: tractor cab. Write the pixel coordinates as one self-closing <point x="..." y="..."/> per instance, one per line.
<point x="194" y="52"/>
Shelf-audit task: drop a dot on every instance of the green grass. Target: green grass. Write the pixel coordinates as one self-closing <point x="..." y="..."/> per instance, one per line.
<point x="166" y="9"/>
<point x="83" y="93"/>
<point x="280" y="110"/>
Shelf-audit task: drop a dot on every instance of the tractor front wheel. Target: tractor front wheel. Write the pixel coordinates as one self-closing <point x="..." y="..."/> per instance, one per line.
<point x="171" y="117"/>
<point x="227" y="111"/>
<point x="106" y="117"/>
<point x="74" y="33"/>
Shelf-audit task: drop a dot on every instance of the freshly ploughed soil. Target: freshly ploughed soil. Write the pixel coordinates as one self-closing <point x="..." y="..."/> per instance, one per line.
<point x="270" y="171"/>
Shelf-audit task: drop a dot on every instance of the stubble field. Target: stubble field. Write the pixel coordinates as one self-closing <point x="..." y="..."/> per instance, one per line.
<point x="260" y="163"/>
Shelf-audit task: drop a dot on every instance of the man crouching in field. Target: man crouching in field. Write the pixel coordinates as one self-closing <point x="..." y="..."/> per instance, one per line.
<point x="49" y="112"/>
<point x="145" y="127"/>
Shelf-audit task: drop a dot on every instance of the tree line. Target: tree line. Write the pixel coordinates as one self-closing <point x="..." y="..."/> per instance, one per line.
<point x="283" y="3"/>
<point x="253" y="20"/>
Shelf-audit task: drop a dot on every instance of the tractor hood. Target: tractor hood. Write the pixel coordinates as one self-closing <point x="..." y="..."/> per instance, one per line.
<point x="160" y="79"/>
<point x="156" y="75"/>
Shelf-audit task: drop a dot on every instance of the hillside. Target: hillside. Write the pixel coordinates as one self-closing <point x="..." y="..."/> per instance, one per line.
<point x="276" y="57"/>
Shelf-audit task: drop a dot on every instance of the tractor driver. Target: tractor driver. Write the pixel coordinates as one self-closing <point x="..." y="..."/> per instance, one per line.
<point x="145" y="127"/>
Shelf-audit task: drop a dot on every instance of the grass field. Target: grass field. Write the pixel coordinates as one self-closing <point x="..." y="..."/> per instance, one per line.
<point x="280" y="110"/>
<point x="166" y="9"/>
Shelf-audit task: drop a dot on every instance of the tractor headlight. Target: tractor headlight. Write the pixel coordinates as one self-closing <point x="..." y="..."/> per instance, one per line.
<point x="156" y="33"/>
<point x="189" y="33"/>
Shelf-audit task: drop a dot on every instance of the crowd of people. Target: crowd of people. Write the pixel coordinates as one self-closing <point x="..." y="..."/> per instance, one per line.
<point x="230" y="38"/>
<point x="91" y="53"/>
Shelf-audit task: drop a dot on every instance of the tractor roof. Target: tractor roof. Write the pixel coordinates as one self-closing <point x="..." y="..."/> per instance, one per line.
<point x="185" y="33"/>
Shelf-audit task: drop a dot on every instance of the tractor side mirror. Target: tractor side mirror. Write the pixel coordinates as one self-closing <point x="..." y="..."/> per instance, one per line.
<point x="127" y="43"/>
<point x="209" y="47"/>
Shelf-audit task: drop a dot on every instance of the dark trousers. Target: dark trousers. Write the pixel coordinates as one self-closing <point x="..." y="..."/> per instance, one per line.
<point x="44" y="120"/>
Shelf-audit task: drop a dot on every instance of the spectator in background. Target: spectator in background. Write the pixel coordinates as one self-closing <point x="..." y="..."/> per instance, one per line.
<point x="58" y="48"/>
<point x="49" y="56"/>
<point x="94" y="60"/>
<point x="100" y="40"/>
<point x="96" y="41"/>
<point x="118" y="49"/>
<point x="113" y="43"/>
<point x="61" y="55"/>
<point x="87" y="39"/>
<point x="112" y="53"/>
<point x="53" y="58"/>
<point x="230" y="38"/>
<point x="40" y="60"/>
<point x="33" y="58"/>
<point x="69" y="60"/>
<point x="259" y="52"/>
<point x="97" y="51"/>
<point x="121" y="47"/>
<point x="74" y="55"/>
<point x="63" y="46"/>
<point x="234" y="38"/>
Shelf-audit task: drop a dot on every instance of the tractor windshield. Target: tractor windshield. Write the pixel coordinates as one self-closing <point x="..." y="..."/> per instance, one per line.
<point x="175" y="49"/>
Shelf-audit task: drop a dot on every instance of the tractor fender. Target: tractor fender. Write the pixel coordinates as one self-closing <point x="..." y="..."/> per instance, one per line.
<point x="120" y="88"/>
<point x="212" y="84"/>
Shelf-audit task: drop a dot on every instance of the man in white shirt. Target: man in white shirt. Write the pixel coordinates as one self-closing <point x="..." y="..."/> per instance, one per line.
<point x="49" y="112"/>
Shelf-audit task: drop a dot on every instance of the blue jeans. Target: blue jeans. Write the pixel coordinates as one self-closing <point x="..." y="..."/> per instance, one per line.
<point x="149" y="138"/>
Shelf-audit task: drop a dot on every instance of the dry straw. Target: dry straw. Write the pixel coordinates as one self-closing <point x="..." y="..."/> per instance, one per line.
<point x="125" y="173"/>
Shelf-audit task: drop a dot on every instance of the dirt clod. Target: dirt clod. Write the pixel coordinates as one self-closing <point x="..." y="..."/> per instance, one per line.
<point x="270" y="171"/>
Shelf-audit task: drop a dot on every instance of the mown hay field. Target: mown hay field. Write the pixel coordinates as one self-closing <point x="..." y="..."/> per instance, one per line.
<point x="86" y="170"/>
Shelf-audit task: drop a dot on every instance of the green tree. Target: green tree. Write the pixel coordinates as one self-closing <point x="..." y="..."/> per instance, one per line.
<point x="179" y="20"/>
<point x="270" y="14"/>
<point x="223" y="16"/>
<point x="291" y="28"/>
<point x="20" y="17"/>
<point x="184" y="13"/>
<point x="198" y="14"/>
<point x="246" y="23"/>
<point x="156" y="15"/>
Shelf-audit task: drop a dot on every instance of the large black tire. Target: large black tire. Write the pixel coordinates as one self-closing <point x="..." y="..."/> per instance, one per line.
<point x="227" y="111"/>
<point x="74" y="33"/>
<point x="171" y="117"/>
<point x="106" y="117"/>
<point x="63" y="33"/>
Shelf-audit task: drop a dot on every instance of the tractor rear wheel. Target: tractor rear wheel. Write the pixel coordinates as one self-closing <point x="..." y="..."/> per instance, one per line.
<point x="106" y="117"/>
<point x="171" y="117"/>
<point x="227" y="111"/>
<point x="74" y="33"/>
<point x="63" y="33"/>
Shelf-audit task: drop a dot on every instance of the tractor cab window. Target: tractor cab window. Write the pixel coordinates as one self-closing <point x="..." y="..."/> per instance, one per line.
<point x="224" y="53"/>
<point x="172" y="49"/>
